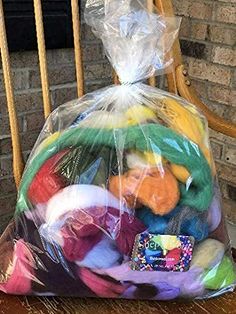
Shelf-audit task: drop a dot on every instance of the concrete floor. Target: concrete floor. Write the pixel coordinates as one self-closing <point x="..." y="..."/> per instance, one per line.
<point x="232" y="233"/>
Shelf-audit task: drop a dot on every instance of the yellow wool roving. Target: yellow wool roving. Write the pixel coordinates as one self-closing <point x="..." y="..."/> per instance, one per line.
<point x="185" y="121"/>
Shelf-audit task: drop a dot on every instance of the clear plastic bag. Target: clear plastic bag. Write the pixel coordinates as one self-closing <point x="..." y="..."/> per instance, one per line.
<point x="119" y="197"/>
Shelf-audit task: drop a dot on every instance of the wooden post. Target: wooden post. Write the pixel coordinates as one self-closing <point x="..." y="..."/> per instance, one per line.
<point x="166" y="9"/>
<point x="18" y="164"/>
<point x="77" y="47"/>
<point x="42" y="57"/>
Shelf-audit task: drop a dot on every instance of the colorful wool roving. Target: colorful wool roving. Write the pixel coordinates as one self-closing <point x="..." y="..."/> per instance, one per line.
<point x="119" y="198"/>
<point x="87" y="234"/>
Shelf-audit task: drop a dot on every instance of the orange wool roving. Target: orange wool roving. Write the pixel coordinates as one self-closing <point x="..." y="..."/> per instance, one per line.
<point x="154" y="188"/>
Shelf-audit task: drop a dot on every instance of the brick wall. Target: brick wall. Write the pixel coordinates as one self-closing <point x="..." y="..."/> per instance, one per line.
<point x="207" y="40"/>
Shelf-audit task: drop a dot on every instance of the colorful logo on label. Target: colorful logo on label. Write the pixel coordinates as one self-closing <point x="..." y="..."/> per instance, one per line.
<point x="162" y="252"/>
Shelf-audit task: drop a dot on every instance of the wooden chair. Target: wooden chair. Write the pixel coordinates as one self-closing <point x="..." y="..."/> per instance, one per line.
<point x="179" y="83"/>
<point x="178" y="80"/>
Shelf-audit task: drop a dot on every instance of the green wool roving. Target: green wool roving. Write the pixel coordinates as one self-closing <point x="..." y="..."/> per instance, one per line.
<point x="150" y="137"/>
<point x="220" y="276"/>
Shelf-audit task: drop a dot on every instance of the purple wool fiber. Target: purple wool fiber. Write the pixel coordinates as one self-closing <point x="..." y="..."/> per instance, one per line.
<point x="214" y="211"/>
<point x="159" y="291"/>
<point x="103" y="255"/>
<point x="188" y="282"/>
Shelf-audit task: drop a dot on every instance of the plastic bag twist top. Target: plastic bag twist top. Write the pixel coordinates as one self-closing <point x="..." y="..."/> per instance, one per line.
<point x="136" y="40"/>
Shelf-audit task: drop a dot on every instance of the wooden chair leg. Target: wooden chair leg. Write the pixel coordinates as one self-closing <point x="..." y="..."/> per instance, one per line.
<point x="42" y="57"/>
<point x="77" y="47"/>
<point x="18" y="164"/>
<point x="165" y="8"/>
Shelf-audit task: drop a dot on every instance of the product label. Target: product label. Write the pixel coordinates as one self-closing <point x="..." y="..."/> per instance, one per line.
<point x="153" y="252"/>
